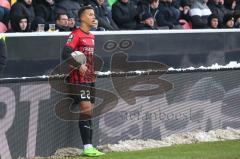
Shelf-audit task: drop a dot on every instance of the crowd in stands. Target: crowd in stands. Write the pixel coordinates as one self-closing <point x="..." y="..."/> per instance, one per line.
<point x="61" y="15"/>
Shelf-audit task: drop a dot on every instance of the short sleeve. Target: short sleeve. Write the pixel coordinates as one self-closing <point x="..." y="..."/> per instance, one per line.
<point x="72" y="41"/>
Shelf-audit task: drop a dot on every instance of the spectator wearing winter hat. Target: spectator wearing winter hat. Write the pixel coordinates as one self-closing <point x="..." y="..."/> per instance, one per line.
<point x="213" y="21"/>
<point x="124" y="14"/>
<point x="228" y="21"/>
<point x="22" y="25"/>
<point x="147" y="23"/>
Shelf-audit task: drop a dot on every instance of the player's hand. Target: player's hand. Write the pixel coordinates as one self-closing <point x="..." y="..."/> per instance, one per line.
<point x="83" y="69"/>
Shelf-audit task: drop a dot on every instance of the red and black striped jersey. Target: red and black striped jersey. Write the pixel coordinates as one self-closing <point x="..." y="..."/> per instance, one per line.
<point x="78" y="40"/>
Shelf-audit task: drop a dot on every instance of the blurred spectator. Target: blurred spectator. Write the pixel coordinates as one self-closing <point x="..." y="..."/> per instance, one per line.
<point x="3" y="28"/>
<point x="96" y="28"/>
<point x="199" y="13"/>
<point x="45" y="10"/>
<point x="70" y="7"/>
<point x="154" y="8"/>
<point x="124" y="13"/>
<point x="102" y="15"/>
<point x="184" y="7"/>
<point x="4" y="12"/>
<point x="213" y="21"/>
<point x="22" y="8"/>
<point x="147" y="23"/>
<point x="237" y="5"/>
<point x="217" y="7"/>
<point x="237" y="19"/>
<point x="168" y="15"/>
<point x="230" y="5"/>
<point x="3" y="54"/>
<point x="62" y="22"/>
<point x="143" y="6"/>
<point x="228" y="21"/>
<point x="22" y="25"/>
<point x="71" y="23"/>
<point x="81" y="2"/>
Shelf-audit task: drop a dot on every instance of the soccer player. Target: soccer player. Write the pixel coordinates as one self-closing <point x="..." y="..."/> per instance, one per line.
<point x="82" y="40"/>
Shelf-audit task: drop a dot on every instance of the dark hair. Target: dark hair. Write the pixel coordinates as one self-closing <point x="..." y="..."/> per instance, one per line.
<point x="151" y="1"/>
<point x="58" y="16"/>
<point x="80" y="12"/>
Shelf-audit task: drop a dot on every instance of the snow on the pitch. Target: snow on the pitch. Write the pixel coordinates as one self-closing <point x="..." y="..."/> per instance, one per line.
<point x="231" y="65"/>
<point x="134" y="145"/>
<point x="181" y="138"/>
<point x="216" y="66"/>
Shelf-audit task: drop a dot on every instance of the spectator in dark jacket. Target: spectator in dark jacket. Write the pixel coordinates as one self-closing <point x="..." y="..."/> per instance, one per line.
<point x="45" y="10"/>
<point x="217" y="7"/>
<point x="22" y="25"/>
<point x="124" y="13"/>
<point x="62" y="22"/>
<point x="146" y="7"/>
<point x="199" y="13"/>
<point x="168" y="15"/>
<point x="102" y="15"/>
<point x="230" y="5"/>
<point x="147" y="23"/>
<point x="3" y="54"/>
<point x="213" y="21"/>
<point x="22" y="8"/>
<point x="154" y="4"/>
<point x="70" y="7"/>
<point x="184" y="7"/>
<point x="143" y="6"/>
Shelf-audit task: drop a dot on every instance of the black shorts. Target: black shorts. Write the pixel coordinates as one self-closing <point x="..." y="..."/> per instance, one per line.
<point x="86" y="92"/>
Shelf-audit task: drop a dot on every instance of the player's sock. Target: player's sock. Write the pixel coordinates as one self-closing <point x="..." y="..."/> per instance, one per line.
<point x="85" y="130"/>
<point x="91" y="130"/>
<point x="87" y="146"/>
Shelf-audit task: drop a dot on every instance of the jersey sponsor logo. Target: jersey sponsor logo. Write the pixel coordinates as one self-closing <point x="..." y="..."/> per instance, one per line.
<point x="70" y="38"/>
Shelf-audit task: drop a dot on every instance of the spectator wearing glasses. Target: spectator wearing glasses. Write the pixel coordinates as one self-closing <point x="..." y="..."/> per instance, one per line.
<point x="62" y="22"/>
